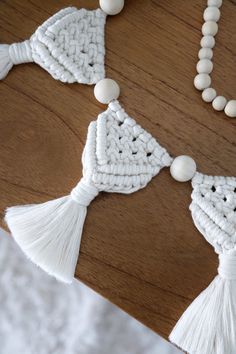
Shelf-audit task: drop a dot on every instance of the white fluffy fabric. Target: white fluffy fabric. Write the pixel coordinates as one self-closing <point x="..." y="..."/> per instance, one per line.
<point x="39" y="315"/>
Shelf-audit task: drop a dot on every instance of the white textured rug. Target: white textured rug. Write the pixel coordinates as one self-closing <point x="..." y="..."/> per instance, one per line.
<point x="38" y="315"/>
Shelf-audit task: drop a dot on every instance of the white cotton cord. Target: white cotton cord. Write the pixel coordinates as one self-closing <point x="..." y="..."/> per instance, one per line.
<point x="208" y="326"/>
<point x="50" y="233"/>
<point x="14" y="54"/>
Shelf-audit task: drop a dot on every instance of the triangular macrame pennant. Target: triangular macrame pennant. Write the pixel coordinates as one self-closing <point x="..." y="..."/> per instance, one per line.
<point x="69" y="45"/>
<point x="213" y="210"/>
<point x="127" y="157"/>
<point x="50" y="233"/>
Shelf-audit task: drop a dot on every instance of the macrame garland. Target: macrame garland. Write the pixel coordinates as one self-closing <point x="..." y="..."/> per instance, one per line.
<point x="69" y="46"/>
<point x="208" y="326"/>
<point x="119" y="156"/>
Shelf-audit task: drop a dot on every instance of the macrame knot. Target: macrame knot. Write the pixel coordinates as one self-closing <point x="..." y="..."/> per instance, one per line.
<point x="84" y="193"/>
<point x="20" y="52"/>
<point x="227" y="266"/>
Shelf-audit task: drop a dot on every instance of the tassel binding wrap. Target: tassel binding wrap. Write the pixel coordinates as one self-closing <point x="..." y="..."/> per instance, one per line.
<point x="119" y="156"/>
<point x="14" y="54"/>
<point x="69" y="46"/>
<point x="208" y="326"/>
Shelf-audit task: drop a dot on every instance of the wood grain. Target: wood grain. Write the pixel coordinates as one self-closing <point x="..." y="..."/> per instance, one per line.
<point x="142" y="251"/>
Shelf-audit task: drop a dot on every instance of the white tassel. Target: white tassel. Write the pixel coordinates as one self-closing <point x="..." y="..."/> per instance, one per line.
<point x="14" y="54"/>
<point x="208" y="326"/>
<point x="5" y="61"/>
<point x="50" y="233"/>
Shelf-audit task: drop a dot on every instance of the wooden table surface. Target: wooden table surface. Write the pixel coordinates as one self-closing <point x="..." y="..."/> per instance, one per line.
<point x="141" y="251"/>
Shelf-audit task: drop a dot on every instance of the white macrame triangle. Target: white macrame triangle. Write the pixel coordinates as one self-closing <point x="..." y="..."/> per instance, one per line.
<point x="69" y="45"/>
<point x="208" y="326"/>
<point x="127" y="157"/>
<point x="213" y="210"/>
<point x="119" y="156"/>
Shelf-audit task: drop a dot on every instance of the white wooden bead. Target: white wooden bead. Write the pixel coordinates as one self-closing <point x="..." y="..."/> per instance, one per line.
<point x="111" y="7"/>
<point x="209" y="94"/>
<point x="212" y="13"/>
<point x="204" y="66"/>
<point x="208" y="42"/>
<point x="183" y="168"/>
<point x="230" y="109"/>
<point x="209" y="28"/>
<point x="202" y="81"/>
<point x="205" y="53"/>
<point x="106" y="90"/>
<point x="216" y="3"/>
<point x="219" y="103"/>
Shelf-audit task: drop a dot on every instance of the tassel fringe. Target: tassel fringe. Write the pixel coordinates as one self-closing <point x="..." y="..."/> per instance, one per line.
<point x="208" y="326"/>
<point x="50" y="233"/>
<point x="5" y="61"/>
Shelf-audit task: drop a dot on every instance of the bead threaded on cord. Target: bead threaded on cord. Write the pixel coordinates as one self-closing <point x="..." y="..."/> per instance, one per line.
<point x="111" y="7"/>
<point x="106" y="91"/>
<point x="183" y="168"/>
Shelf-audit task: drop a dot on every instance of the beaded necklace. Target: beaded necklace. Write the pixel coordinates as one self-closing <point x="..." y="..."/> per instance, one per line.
<point x="202" y="81"/>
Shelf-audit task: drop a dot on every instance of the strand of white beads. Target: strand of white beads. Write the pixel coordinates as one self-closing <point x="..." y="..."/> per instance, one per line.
<point x="202" y="80"/>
